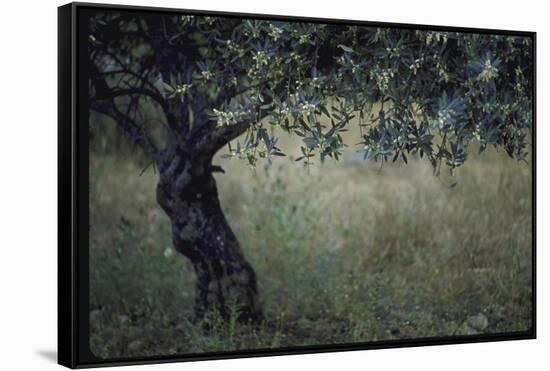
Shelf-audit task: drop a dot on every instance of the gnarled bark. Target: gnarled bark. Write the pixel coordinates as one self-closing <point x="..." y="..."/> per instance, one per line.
<point x="225" y="280"/>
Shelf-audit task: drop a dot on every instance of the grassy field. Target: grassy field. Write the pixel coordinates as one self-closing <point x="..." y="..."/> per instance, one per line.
<point x="345" y="252"/>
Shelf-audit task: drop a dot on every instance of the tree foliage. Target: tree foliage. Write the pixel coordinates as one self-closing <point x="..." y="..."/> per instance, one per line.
<point x="213" y="78"/>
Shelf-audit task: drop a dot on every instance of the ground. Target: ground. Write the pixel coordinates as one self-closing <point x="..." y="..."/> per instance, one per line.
<point x="344" y="252"/>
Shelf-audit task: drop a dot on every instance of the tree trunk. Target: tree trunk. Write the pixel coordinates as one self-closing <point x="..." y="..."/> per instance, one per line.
<point x="225" y="280"/>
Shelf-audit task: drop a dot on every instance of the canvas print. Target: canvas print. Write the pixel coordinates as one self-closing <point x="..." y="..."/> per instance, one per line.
<point x="260" y="183"/>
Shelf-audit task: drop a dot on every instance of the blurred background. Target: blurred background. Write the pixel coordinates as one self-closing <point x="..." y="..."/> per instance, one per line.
<point x="347" y="251"/>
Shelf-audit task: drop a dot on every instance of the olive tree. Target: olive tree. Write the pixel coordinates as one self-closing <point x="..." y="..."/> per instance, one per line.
<point x="211" y="80"/>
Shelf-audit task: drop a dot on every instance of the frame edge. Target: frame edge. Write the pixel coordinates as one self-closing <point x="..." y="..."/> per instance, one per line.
<point x="68" y="337"/>
<point x="66" y="330"/>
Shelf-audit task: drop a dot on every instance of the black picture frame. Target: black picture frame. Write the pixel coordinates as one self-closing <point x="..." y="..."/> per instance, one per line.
<point x="73" y="207"/>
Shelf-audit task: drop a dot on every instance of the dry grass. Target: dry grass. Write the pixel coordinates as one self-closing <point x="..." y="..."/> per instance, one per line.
<point x="344" y="252"/>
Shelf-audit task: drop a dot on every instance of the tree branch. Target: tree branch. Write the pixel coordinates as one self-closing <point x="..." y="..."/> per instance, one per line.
<point x="151" y="91"/>
<point x="111" y="94"/>
<point x="215" y="139"/>
<point x="124" y="68"/>
<point x="135" y="132"/>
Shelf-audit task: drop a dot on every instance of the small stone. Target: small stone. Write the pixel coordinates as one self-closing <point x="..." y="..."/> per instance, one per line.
<point x="168" y="252"/>
<point x="474" y="325"/>
<point x="478" y="322"/>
